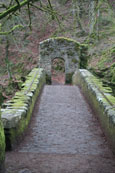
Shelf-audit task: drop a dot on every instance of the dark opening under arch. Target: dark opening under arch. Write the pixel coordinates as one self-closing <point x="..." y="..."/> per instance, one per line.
<point x="58" y="71"/>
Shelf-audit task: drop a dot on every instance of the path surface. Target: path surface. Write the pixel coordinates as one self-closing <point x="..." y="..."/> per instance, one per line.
<point x="64" y="137"/>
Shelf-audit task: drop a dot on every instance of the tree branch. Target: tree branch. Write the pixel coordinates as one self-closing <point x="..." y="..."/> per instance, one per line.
<point x="14" y="28"/>
<point x="15" y="8"/>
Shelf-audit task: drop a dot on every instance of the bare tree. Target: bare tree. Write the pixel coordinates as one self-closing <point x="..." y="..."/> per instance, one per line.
<point x="76" y="13"/>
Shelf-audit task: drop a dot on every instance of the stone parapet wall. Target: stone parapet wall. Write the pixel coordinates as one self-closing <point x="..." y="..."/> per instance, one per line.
<point x="17" y="112"/>
<point x="2" y="146"/>
<point x="101" y="100"/>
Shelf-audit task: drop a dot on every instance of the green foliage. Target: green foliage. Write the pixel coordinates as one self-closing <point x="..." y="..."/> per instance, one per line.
<point x="107" y="57"/>
<point x="69" y="78"/>
<point x="84" y="57"/>
<point x="106" y="68"/>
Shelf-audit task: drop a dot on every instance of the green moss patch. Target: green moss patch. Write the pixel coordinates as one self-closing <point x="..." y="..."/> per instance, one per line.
<point x="105" y="68"/>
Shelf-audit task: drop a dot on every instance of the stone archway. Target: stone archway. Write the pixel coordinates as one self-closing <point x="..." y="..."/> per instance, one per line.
<point x="58" y="71"/>
<point x="73" y="53"/>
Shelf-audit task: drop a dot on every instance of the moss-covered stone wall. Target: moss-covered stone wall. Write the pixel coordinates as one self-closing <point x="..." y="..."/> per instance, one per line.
<point x="101" y="100"/>
<point x="73" y="53"/>
<point x="17" y="112"/>
<point x="2" y="146"/>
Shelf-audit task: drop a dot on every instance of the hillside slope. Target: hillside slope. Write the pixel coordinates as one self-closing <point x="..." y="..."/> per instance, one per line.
<point x="23" y="50"/>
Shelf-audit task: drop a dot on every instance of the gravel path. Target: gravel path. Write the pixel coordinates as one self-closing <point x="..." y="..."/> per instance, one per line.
<point x="64" y="137"/>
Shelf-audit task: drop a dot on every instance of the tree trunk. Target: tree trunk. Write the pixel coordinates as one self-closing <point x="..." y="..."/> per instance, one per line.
<point x="92" y="16"/>
<point x="76" y="13"/>
<point x="7" y="60"/>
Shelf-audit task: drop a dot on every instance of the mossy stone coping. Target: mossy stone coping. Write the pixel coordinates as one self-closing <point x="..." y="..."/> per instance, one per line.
<point x="101" y="100"/>
<point x="2" y="146"/>
<point x="17" y="112"/>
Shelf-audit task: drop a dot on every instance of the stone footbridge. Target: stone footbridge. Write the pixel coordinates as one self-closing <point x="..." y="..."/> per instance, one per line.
<point x="59" y="128"/>
<point x="64" y="137"/>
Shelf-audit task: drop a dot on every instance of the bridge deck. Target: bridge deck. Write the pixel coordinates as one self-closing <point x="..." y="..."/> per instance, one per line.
<point x="64" y="137"/>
